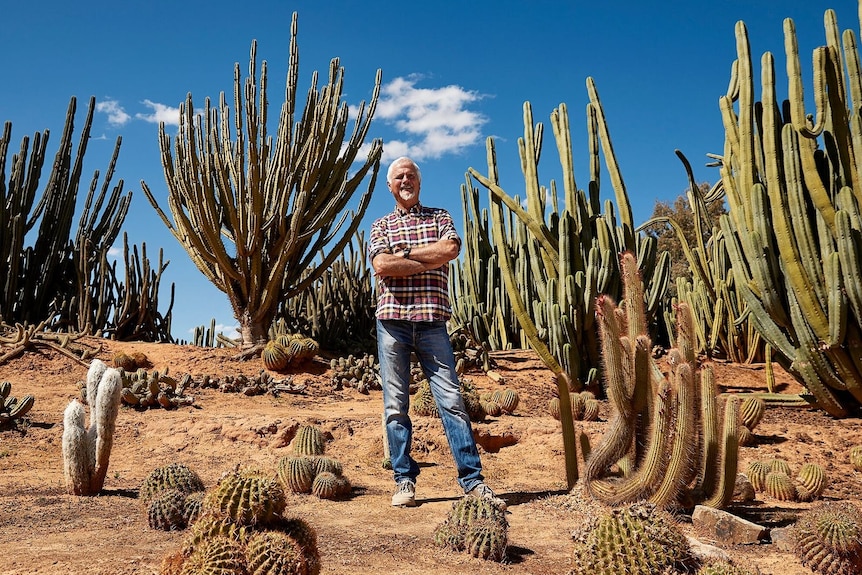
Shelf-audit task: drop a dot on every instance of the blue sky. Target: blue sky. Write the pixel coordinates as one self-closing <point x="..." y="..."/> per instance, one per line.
<point x="454" y="73"/>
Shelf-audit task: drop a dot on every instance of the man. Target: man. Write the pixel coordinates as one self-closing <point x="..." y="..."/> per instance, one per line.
<point x="410" y="250"/>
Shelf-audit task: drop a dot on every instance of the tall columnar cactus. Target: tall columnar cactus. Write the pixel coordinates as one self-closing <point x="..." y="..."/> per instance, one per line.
<point x="794" y="229"/>
<point x="87" y="450"/>
<point x="664" y="430"/>
<point x="554" y="265"/>
<point x="254" y="212"/>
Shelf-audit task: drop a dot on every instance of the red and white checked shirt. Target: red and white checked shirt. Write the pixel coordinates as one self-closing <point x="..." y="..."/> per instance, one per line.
<point x="423" y="296"/>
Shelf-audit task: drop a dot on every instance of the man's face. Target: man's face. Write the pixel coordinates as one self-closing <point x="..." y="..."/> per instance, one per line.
<point x="404" y="185"/>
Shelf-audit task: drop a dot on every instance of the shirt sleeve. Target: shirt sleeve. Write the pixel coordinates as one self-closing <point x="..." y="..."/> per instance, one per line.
<point x="447" y="227"/>
<point x="378" y="243"/>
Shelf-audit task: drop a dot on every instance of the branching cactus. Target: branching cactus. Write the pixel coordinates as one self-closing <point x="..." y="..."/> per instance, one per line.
<point x="11" y="408"/>
<point x="663" y="432"/>
<point x="86" y="450"/>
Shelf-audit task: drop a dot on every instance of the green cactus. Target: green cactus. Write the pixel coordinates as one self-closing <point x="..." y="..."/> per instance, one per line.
<point x="309" y="441"/>
<point x="11" y="408"/>
<point x="326" y="464"/>
<point x="829" y="538"/>
<point x="274" y="553"/>
<point x="296" y="473"/>
<point x="486" y="539"/>
<point x="216" y="555"/>
<point x="779" y="486"/>
<point x="328" y="485"/>
<point x="721" y="567"/>
<point x="302" y="532"/>
<point x="193" y="506"/>
<point x="856" y="457"/>
<point x="360" y="373"/>
<point x="792" y="228"/>
<point x="668" y="426"/>
<point x="275" y="356"/>
<point x="779" y="465"/>
<point x="509" y="400"/>
<point x="166" y="511"/>
<point x="810" y="482"/>
<point x="247" y="497"/>
<point x="637" y="540"/>
<point x="757" y="472"/>
<point x="171" y="476"/>
<point x="87" y="450"/>
<point x="210" y="525"/>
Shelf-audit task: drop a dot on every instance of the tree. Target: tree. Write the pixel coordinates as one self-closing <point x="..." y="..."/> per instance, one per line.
<point x="253" y="213"/>
<point x="682" y="213"/>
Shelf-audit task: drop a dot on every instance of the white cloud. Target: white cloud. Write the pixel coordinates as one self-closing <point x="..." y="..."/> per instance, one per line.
<point x="117" y="116"/>
<point x="433" y="122"/>
<point x="160" y="113"/>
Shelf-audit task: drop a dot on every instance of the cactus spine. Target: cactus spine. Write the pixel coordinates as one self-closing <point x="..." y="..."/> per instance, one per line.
<point x="86" y="451"/>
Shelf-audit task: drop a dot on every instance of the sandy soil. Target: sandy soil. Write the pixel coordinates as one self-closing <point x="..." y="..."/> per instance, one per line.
<point x="45" y="530"/>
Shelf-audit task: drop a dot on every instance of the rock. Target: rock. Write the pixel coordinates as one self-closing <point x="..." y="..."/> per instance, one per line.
<point x="783" y="539"/>
<point x="726" y="528"/>
<point x="743" y="490"/>
<point x="704" y="552"/>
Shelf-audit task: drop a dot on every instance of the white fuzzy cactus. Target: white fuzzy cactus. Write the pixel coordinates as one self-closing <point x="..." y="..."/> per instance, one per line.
<point x="86" y="451"/>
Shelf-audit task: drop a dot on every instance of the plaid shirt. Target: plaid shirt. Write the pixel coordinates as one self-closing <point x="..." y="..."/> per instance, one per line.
<point x="423" y="296"/>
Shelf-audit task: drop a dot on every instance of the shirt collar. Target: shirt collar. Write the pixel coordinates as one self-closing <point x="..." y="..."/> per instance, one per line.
<point x="417" y="208"/>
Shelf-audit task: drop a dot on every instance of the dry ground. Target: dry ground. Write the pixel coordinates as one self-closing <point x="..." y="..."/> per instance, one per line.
<point x="44" y="530"/>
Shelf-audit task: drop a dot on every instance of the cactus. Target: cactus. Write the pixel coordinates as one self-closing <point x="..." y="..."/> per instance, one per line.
<point x="143" y="389"/>
<point x="829" y="538"/>
<point x="86" y="451"/>
<point x="247" y="497"/>
<point x="275" y="356"/>
<point x="166" y="511"/>
<point x="509" y="400"/>
<point x="11" y="408"/>
<point x="779" y="465"/>
<point x="309" y="441"/>
<point x="637" y="540"/>
<point x="361" y="373"/>
<point x="220" y="555"/>
<point x="483" y="519"/>
<point x="210" y="525"/>
<point x="810" y="482"/>
<point x="296" y="473"/>
<point x="328" y="485"/>
<point x="275" y="553"/>
<point x="757" y="472"/>
<point x="668" y="426"/>
<point x="172" y="476"/>
<point x="855" y="457"/>
<point x="779" y="486"/>
<point x="721" y="567"/>
<point x="792" y="226"/>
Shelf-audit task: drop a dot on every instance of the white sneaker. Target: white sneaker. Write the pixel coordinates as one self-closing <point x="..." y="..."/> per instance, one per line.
<point x="482" y="491"/>
<point x="405" y="495"/>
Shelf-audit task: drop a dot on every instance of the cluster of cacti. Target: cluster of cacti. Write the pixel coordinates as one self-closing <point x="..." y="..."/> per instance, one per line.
<point x="791" y="180"/>
<point x="775" y="478"/>
<point x="309" y="470"/>
<point x="174" y="510"/>
<point x="855" y="456"/>
<point x="475" y="525"/>
<point x="360" y="373"/>
<point x="288" y="350"/>
<point x="11" y="408"/>
<point x="829" y="538"/>
<point x="242" y="528"/>
<point x="584" y="405"/>
<point x="639" y="539"/>
<point x="469" y="354"/>
<point x="258" y="384"/>
<point x="87" y="450"/>
<point x="751" y="410"/>
<point x="723" y="567"/>
<point x="66" y="275"/>
<point x="268" y="234"/>
<point x="663" y="431"/>
<point x="143" y="389"/>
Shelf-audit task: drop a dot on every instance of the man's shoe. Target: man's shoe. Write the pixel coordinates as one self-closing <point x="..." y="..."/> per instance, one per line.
<point x="482" y="491"/>
<point x="405" y="495"/>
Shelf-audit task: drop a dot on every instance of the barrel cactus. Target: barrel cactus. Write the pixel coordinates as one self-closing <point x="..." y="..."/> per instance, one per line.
<point x="296" y="473"/>
<point x="829" y="538"/>
<point x="810" y="482"/>
<point x="166" y="511"/>
<point x="309" y="441"/>
<point x="171" y="476"/>
<point x="477" y="526"/>
<point x="276" y="553"/>
<point x="248" y="497"/>
<point x="275" y="356"/>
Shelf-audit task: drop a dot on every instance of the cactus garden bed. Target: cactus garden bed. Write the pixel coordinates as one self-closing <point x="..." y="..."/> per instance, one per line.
<point x="45" y="530"/>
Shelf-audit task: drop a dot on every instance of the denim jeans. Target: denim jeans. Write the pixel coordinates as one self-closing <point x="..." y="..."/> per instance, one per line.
<point x="396" y="339"/>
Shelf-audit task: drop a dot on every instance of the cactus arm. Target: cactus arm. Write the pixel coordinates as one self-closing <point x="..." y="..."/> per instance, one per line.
<point x="77" y="460"/>
<point x="682" y="455"/>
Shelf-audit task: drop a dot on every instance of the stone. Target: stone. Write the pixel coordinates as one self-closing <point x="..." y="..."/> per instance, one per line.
<point x="726" y="528"/>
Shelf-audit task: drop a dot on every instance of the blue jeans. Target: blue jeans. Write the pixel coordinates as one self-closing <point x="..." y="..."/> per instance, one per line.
<point x="396" y="339"/>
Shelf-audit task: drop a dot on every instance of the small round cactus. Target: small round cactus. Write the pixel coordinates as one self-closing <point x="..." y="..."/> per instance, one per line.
<point x="509" y="400"/>
<point x="757" y="472"/>
<point x="779" y="466"/>
<point x="275" y="356"/>
<point x="486" y="539"/>
<point x="166" y="511"/>
<point x="172" y="476"/>
<point x="248" y="497"/>
<point x="296" y="473"/>
<point x="328" y="485"/>
<point x="856" y="457"/>
<point x="779" y="486"/>
<point x="810" y="482"/>
<point x="216" y="555"/>
<point x="275" y="552"/>
<point x="752" y="410"/>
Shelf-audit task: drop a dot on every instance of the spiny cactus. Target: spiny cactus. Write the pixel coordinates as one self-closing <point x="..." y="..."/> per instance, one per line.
<point x="757" y="472"/>
<point x="779" y="486"/>
<point x="166" y="511"/>
<point x="247" y="497"/>
<point x="302" y="532"/>
<point x="810" y="482"/>
<point x="275" y="553"/>
<point x="360" y="373"/>
<point x="507" y="398"/>
<point x="296" y="473"/>
<point x="309" y="441"/>
<point x="11" y="408"/>
<point x="829" y="538"/>
<point x="721" y="567"/>
<point x="667" y="426"/>
<point x="751" y="410"/>
<point x="328" y="485"/>
<point x="779" y="465"/>
<point x="637" y="540"/>
<point x="275" y="356"/>
<point x="483" y="519"/>
<point x="143" y="389"/>
<point x="171" y="476"/>
<point x="212" y="524"/>
<point x="86" y="451"/>
<point x="856" y="457"/>
<point x="216" y="555"/>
